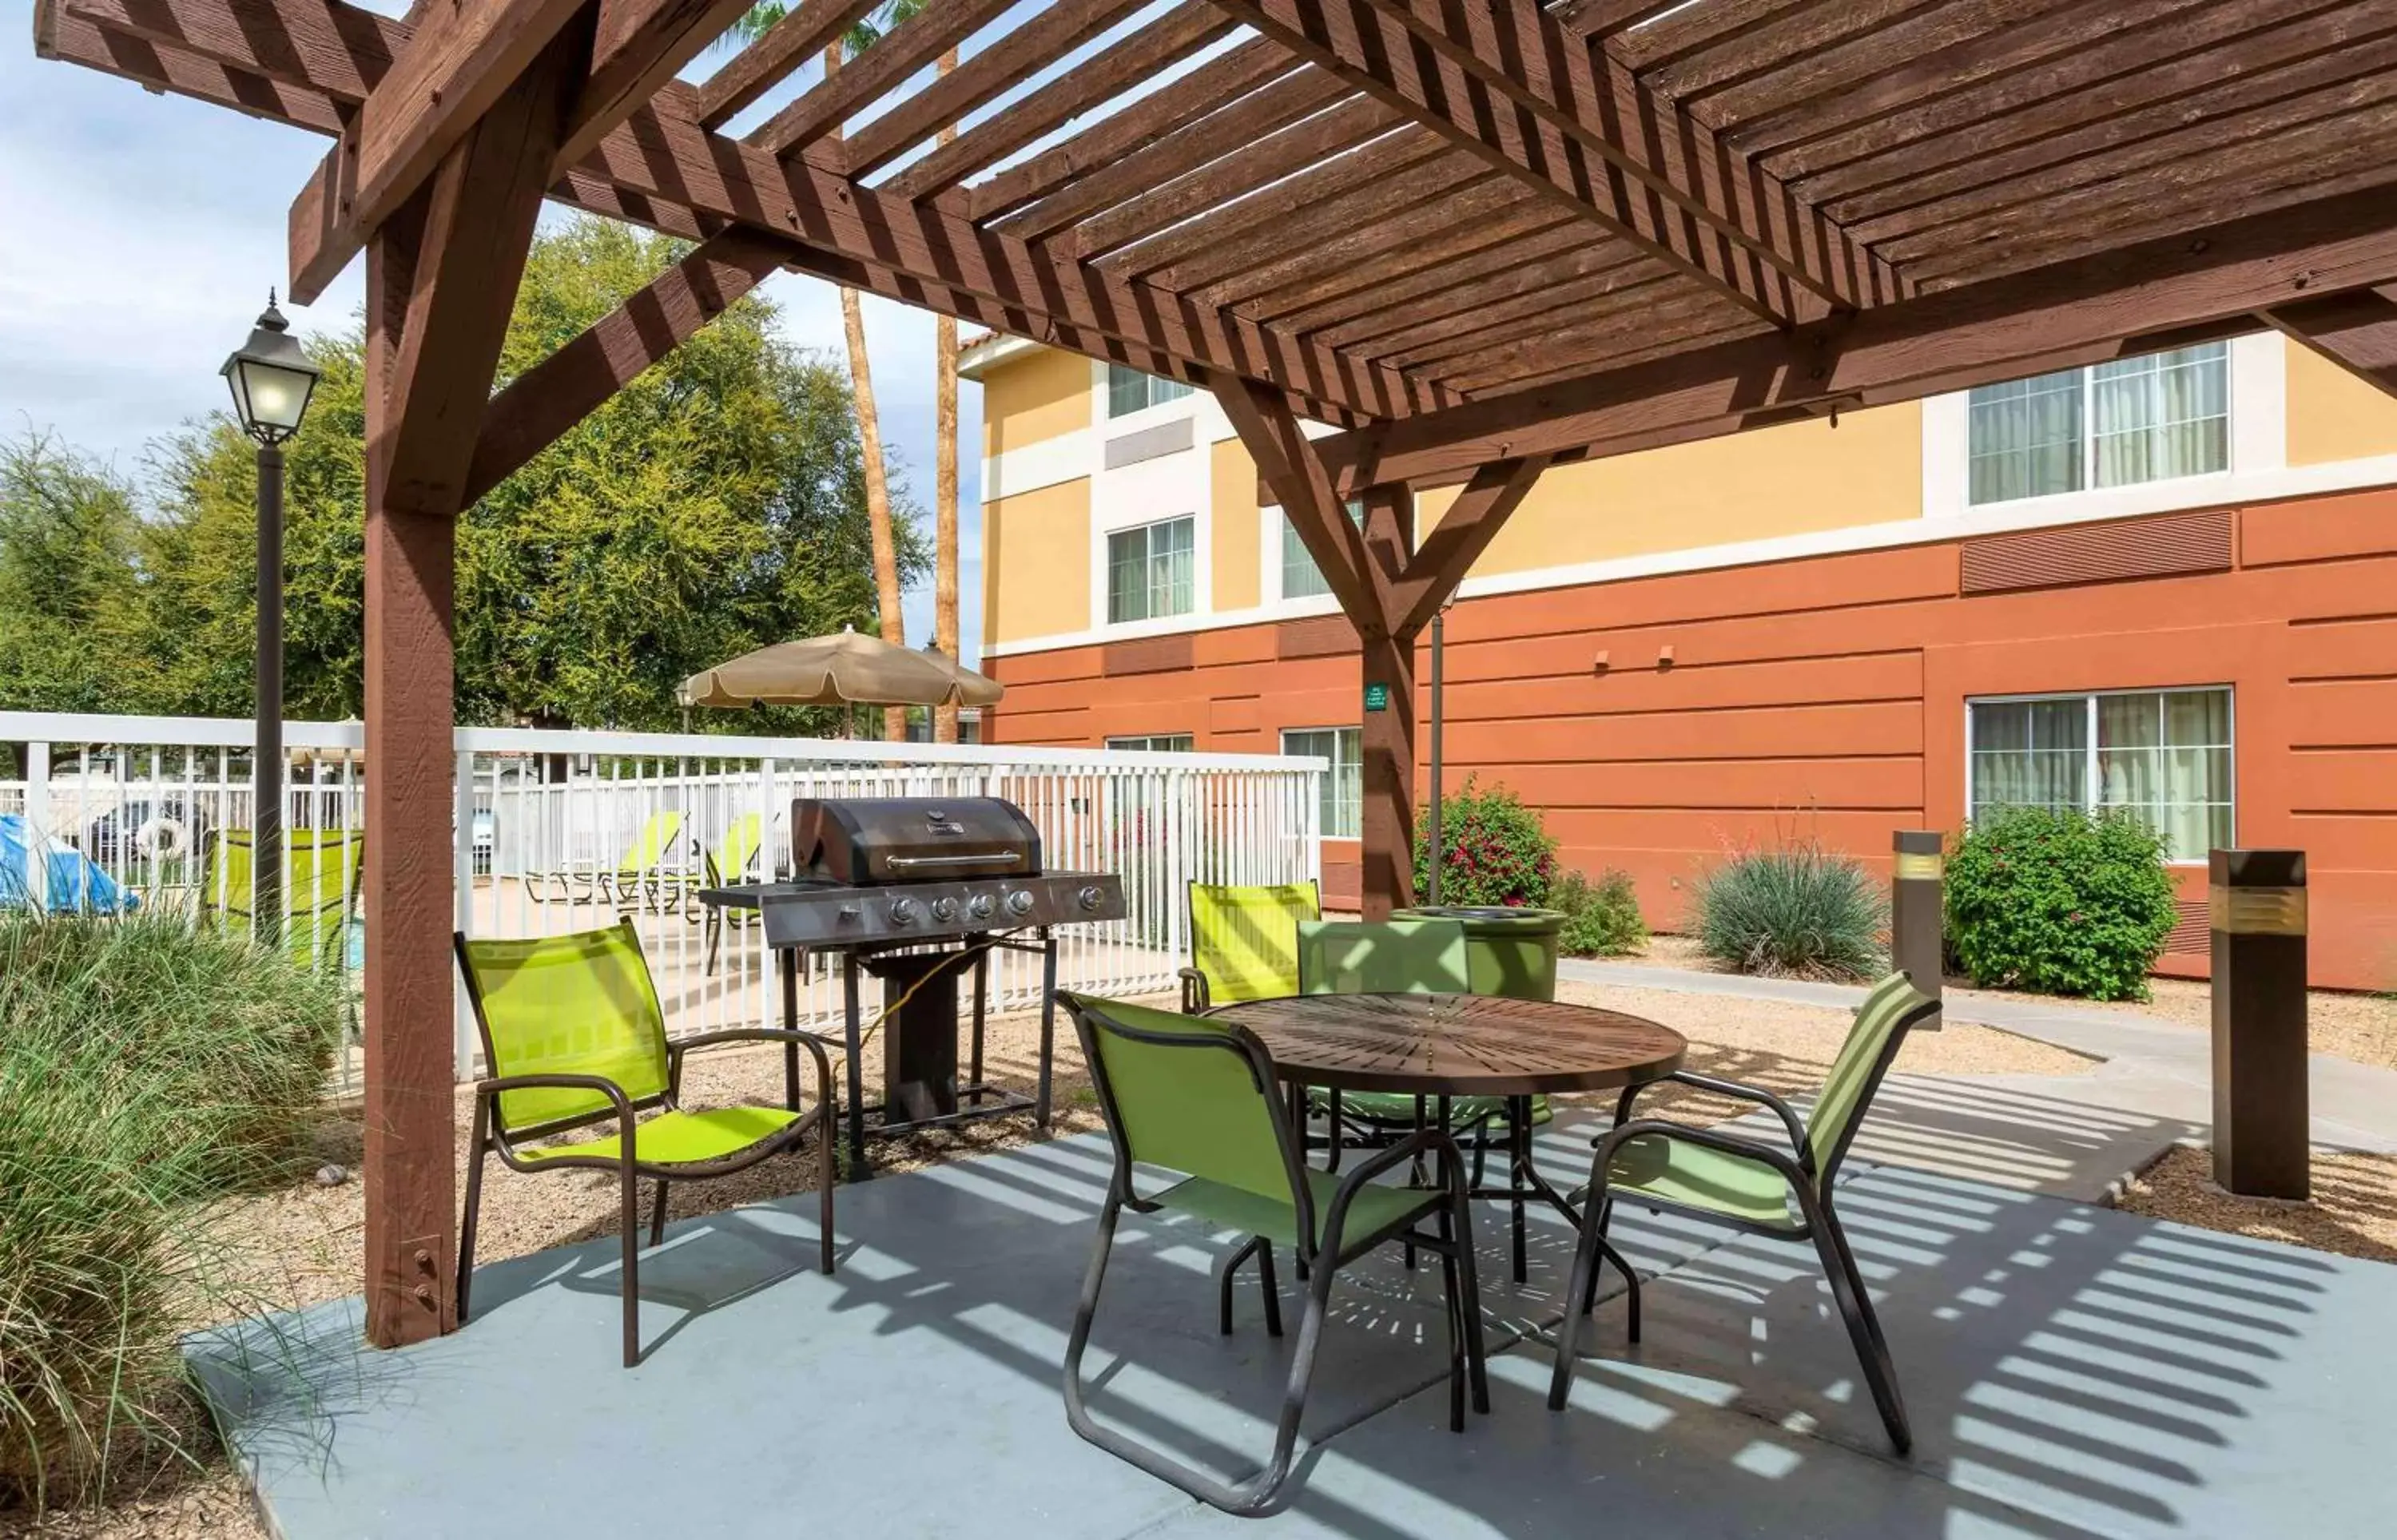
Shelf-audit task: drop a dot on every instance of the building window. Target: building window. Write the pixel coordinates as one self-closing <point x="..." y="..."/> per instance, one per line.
<point x="1301" y="579"/>
<point x="1153" y="743"/>
<point x="1129" y="390"/>
<point x="1148" y="571"/>
<point x="2135" y="420"/>
<point x="1343" y="788"/>
<point x="2162" y="754"/>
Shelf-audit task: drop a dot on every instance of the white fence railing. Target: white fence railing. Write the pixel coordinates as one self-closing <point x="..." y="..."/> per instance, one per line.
<point x="557" y="832"/>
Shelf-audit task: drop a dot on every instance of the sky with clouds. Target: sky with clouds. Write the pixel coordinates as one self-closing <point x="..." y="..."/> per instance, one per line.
<point x="142" y="233"/>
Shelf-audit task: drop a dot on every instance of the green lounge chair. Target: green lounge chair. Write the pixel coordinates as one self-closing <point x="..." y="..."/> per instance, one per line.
<point x="1197" y="1095"/>
<point x="1244" y="942"/>
<point x="1753" y="1184"/>
<point x="574" y="1038"/>
<point x="644" y="875"/>
<point x="322" y="869"/>
<point x="729" y="863"/>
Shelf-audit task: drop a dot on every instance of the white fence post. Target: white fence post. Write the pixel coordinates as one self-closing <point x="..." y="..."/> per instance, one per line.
<point x="462" y="800"/>
<point x="38" y="826"/>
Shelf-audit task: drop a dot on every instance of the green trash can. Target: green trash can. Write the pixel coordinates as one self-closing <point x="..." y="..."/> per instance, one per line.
<point x="1508" y="952"/>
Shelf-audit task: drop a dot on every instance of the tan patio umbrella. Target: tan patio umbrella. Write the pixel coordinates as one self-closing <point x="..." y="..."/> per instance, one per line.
<point x="837" y="671"/>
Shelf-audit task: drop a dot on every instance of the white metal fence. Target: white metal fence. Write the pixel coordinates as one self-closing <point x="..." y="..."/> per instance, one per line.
<point x="564" y="831"/>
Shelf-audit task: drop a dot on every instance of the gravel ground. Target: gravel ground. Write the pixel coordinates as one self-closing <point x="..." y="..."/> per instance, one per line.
<point x="2358" y="1026"/>
<point x="2353" y="1211"/>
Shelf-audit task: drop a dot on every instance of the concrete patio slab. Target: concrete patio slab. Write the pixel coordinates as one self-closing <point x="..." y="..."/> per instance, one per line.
<point x="2071" y="1371"/>
<point x="1628" y="1457"/>
<point x="2101" y="1372"/>
<point x="915" y="1392"/>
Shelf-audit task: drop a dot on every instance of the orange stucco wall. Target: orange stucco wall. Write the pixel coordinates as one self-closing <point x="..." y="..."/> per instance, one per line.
<point x="1825" y="696"/>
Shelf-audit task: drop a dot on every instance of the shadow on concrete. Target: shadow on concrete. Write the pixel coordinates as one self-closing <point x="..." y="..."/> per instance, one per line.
<point x="2070" y="1371"/>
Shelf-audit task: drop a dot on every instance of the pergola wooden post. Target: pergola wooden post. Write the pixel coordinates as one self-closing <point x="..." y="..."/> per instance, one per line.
<point x="1476" y="240"/>
<point x="1389" y="588"/>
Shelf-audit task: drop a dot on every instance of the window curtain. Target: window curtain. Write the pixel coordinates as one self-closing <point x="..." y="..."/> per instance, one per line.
<point x="2162" y="415"/>
<point x="2030" y="753"/>
<point x="2025" y="438"/>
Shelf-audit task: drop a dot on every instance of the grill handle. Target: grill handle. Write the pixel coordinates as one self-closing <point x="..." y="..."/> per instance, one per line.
<point x="983" y="857"/>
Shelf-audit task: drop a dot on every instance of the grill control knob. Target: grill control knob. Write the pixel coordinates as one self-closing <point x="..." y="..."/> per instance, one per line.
<point x="979" y="906"/>
<point x="945" y="909"/>
<point x="1090" y="896"/>
<point x="904" y="911"/>
<point x="1019" y="901"/>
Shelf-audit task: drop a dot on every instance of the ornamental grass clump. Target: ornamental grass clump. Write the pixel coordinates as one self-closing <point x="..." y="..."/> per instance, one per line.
<point x="1498" y="852"/>
<point x="1799" y="911"/>
<point x="2060" y="902"/>
<point x="145" y="1072"/>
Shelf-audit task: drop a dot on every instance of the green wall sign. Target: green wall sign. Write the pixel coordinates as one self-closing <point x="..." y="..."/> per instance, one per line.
<point x="1377" y="697"/>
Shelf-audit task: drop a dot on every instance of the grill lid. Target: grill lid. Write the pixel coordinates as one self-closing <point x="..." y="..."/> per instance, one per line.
<point x="868" y="840"/>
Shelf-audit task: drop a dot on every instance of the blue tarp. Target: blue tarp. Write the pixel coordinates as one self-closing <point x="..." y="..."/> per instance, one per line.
<point x="75" y="885"/>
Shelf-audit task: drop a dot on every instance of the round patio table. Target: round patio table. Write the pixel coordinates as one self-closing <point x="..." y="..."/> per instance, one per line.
<point x="1438" y="1046"/>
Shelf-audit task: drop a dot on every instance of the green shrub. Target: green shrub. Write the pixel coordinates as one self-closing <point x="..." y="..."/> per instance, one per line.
<point x="1498" y="852"/>
<point x="144" y="1072"/>
<point x="1601" y="918"/>
<point x="1798" y="911"/>
<point x="2059" y="902"/>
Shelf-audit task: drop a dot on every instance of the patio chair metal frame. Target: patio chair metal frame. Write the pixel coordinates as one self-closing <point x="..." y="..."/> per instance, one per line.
<point x="1814" y="1187"/>
<point x="1320" y="1257"/>
<point x="492" y="1136"/>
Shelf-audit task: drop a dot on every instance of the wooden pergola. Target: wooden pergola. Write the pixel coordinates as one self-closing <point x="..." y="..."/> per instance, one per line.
<point x="1480" y="237"/>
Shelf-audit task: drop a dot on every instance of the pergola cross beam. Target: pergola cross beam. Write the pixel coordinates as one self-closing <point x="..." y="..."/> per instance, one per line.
<point x="2356" y="330"/>
<point x="1642" y="170"/>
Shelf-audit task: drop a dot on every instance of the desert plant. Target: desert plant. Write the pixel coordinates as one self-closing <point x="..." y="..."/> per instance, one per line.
<point x="2060" y="902"/>
<point x="1497" y="852"/>
<point x="146" y="1070"/>
<point x="1798" y="910"/>
<point x="1602" y="917"/>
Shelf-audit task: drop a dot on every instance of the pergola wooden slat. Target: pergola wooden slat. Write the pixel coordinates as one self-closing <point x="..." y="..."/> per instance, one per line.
<point x="1478" y="239"/>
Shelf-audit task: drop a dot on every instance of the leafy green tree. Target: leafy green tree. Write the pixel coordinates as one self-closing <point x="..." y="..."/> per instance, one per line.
<point x="714" y="505"/>
<point x="71" y="576"/>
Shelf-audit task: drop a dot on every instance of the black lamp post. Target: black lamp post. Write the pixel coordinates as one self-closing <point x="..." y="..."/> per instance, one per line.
<point x="271" y="379"/>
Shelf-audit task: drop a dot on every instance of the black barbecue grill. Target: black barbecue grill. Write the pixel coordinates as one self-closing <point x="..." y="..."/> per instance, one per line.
<point x="918" y="891"/>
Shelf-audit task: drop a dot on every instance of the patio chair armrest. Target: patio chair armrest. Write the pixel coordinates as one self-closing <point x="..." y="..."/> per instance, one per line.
<point x="1789" y="1120"/>
<point x="491" y="1088"/>
<point x="1797" y="1169"/>
<point x="1426" y="1141"/>
<point x="1194" y="991"/>
<point x="815" y="1046"/>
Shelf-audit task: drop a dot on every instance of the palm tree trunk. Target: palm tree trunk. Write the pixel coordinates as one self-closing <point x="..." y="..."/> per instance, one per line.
<point x="944" y="483"/>
<point x="877" y="488"/>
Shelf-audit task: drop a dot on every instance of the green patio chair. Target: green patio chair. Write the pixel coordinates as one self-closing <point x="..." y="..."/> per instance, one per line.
<point x="1754" y="1185"/>
<point x="1244" y="942"/>
<point x="1393" y="957"/>
<point x="640" y="878"/>
<point x="1196" y="1095"/>
<point x="574" y="1038"/>
<point x="729" y="863"/>
<point x="322" y="869"/>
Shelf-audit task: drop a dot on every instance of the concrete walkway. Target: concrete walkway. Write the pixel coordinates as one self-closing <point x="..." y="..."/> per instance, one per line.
<point x="2154" y="1069"/>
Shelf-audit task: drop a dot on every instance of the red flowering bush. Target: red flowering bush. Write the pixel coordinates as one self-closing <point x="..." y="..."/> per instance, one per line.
<point x="1496" y="851"/>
